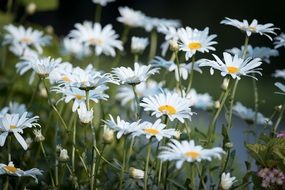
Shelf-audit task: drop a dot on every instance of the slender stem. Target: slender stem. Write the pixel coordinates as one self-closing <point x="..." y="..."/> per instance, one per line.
<point x="130" y="151"/>
<point x="83" y="163"/>
<point x="136" y="57"/>
<point x="9" y="149"/>
<point x="147" y="163"/>
<point x="245" y="47"/>
<point x="105" y="160"/>
<point x="47" y="161"/>
<point x="98" y="13"/>
<point x="179" y="74"/>
<point x="137" y="101"/>
<point x="279" y="119"/>
<point x="34" y="93"/>
<point x="9" y="6"/>
<point x="98" y="160"/>
<point x="153" y="44"/>
<point x="123" y="166"/>
<point x="73" y="146"/>
<point x="159" y="172"/>
<point x="232" y="97"/>
<point x="202" y="182"/>
<point x="191" y="74"/>
<point x="193" y="177"/>
<point x="255" y="90"/>
<point x="56" y="172"/>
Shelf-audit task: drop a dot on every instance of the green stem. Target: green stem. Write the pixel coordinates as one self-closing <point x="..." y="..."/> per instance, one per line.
<point x="193" y="177"/>
<point x="130" y="151"/>
<point x="179" y="76"/>
<point x="98" y="160"/>
<point x="47" y="161"/>
<point x="98" y="13"/>
<point x="136" y="57"/>
<point x="202" y="182"/>
<point x="232" y="97"/>
<point x="191" y="74"/>
<point x="279" y="119"/>
<point x="147" y="163"/>
<point x="153" y="44"/>
<point x="9" y="148"/>
<point x="137" y="101"/>
<point x="245" y="46"/>
<point x="73" y="146"/>
<point x="255" y="90"/>
<point x="123" y="166"/>
<point x="9" y="6"/>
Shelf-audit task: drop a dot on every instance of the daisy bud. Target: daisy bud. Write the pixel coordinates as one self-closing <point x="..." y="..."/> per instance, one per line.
<point x="38" y="135"/>
<point x="85" y="116"/>
<point x="136" y="173"/>
<point x="29" y="141"/>
<point x="227" y="181"/>
<point x="177" y="134"/>
<point x="217" y="104"/>
<point x="225" y="84"/>
<point x="63" y="156"/>
<point x="43" y="91"/>
<point x="173" y="45"/>
<point x="108" y="135"/>
<point x="229" y="145"/>
<point x="49" y="29"/>
<point x="31" y="8"/>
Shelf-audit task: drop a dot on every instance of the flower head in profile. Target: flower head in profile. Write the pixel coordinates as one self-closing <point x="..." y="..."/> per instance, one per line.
<point x="170" y="104"/>
<point x="156" y="129"/>
<point x="281" y="87"/>
<point x="130" y="76"/>
<point x="15" y="124"/>
<point x="104" y="40"/>
<point x="279" y="74"/>
<point x="234" y="66"/>
<point x="138" y="44"/>
<point x="131" y="17"/>
<point x="25" y="38"/>
<point x="122" y="127"/>
<point x="103" y="3"/>
<point x="10" y="169"/>
<point x="136" y="173"/>
<point x="187" y="151"/>
<point x="279" y="41"/>
<point x="227" y="181"/>
<point x="85" y="115"/>
<point x="194" y="40"/>
<point x="248" y="115"/>
<point x="75" y="48"/>
<point x="200" y="101"/>
<point x="170" y="36"/>
<point x="153" y="23"/>
<point x="262" y="29"/>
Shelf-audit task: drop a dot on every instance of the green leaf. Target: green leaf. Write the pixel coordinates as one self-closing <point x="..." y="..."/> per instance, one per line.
<point x="43" y="5"/>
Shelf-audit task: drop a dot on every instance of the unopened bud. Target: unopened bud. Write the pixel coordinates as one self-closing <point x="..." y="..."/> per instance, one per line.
<point x="229" y="145"/>
<point x="278" y="108"/>
<point x="31" y="8"/>
<point x="225" y="84"/>
<point x="63" y="156"/>
<point x="136" y="173"/>
<point x="177" y="134"/>
<point x="49" y="29"/>
<point x="108" y="135"/>
<point x="38" y="135"/>
<point x="173" y="45"/>
<point x="217" y="104"/>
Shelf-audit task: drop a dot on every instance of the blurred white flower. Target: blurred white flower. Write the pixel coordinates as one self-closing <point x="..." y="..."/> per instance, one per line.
<point x="38" y="135"/>
<point x="104" y="40"/>
<point x="227" y="181"/>
<point x="169" y="104"/>
<point x="187" y="151"/>
<point x="131" y="17"/>
<point x="281" y="87"/>
<point x="103" y="3"/>
<point x="108" y="135"/>
<point x="234" y="66"/>
<point x="138" y="44"/>
<point x="193" y="40"/>
<point x="25" y="38"/>
<point x="10" y="169"/>
<point x="153" y="23"/>
<point x="15" y="124"/>
<point x="130" y="76"/>
<point x="200" y="101"/>
<point x="85" y="116"/>
<point x="75" y="48"/>
<point x="279" y="41"/>
<point x="136" y="173"/>
<point x="279" y="73"/>
<point x="253" y="27"/>
<point x="63" y="155"/>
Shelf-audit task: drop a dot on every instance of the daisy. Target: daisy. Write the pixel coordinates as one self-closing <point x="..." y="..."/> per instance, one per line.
<point x="170" y="36"/>
<point x="139" y="74"/>
<point x="227" y="181"/>
<point x="279" y="73"/>
<point x="200" y="101"/>
<point x="193" y="40"/>
<point x="103" y="3"/>
<point x="26" y="38"/>
<point x="169" y="104"/>
<point x="279" y="41"/>
<point x="188" y="151"/>
<point x="152" y="23"/>
<point x="138" y="44"/>
<point x="131" y="17"/>
<point x="103" y="39"/>
<point x="254" y="27"/>
<point x="248" y="115"/>
<point x="156" y="129"/>
<point x="16" y="123"/>
<point x="234" y="66"/>
<point x="122" y="127"/>
<point x="263" y="53"/>
<point x="75" y="48"/>
<point x="62" y="74"/>
<point x="85" y="116"/>
<point x="79" y="96"/>
<point x="281" y="87"/>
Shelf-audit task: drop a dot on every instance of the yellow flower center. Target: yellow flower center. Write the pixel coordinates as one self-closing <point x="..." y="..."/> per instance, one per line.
<point x="192" y="154"/>
<point x="168" y="109"/>
<point x="151" y="131"/>
<point x="79" y="97"/>
<point x="66" y="78"/>
<point x="194" y="45"/>
<point x="10" y="169"/>
<point x="252" y="28"/>
<point x="13" y="126"/>
<point x="232" y="70"/>
<point x="26" y="40"/>
<point x="95" y="41"/>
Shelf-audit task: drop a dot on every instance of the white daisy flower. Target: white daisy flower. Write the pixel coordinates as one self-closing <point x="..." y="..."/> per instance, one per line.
<point x="200" y="101"/>
<point x="281" y="87"/>
<point x="10" y="169"/>
<point x="193" y="40"/>
<point x="227" y="181"/>
<point x="253" y="27"/>
<point x="62" y="74"/>
<point x="85" y="116"/>
<point x="79" y="96"/>
<point x="103" y="3"/>
<point x="136" y="173"/>
<point x="248" y="115"/>
<point x="279" y="73"/>
<point x="130" y="76"/>
<point x="138" y="44"/>
<point x="169" y="104"/>
<point x="131" y="17"/>
<point x="26" y="38"/>
<point x="16" y="108"/>
<point x="170" y="35"/>
<point x="234" y="66"/>
<point x="187" y="151"/>
<point x="156" y="129"/>
<point x="103" y="39"/>
<point x="15" y="124"/>
<point x="263" y="53"/>
<point x="75" y="48"/>
<point x="122" y="127"/>
<point x="279" y="41"/>
<point x="21" y="51"/>
<point x="152" y="23"/>
<point x="125" y="93"/>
